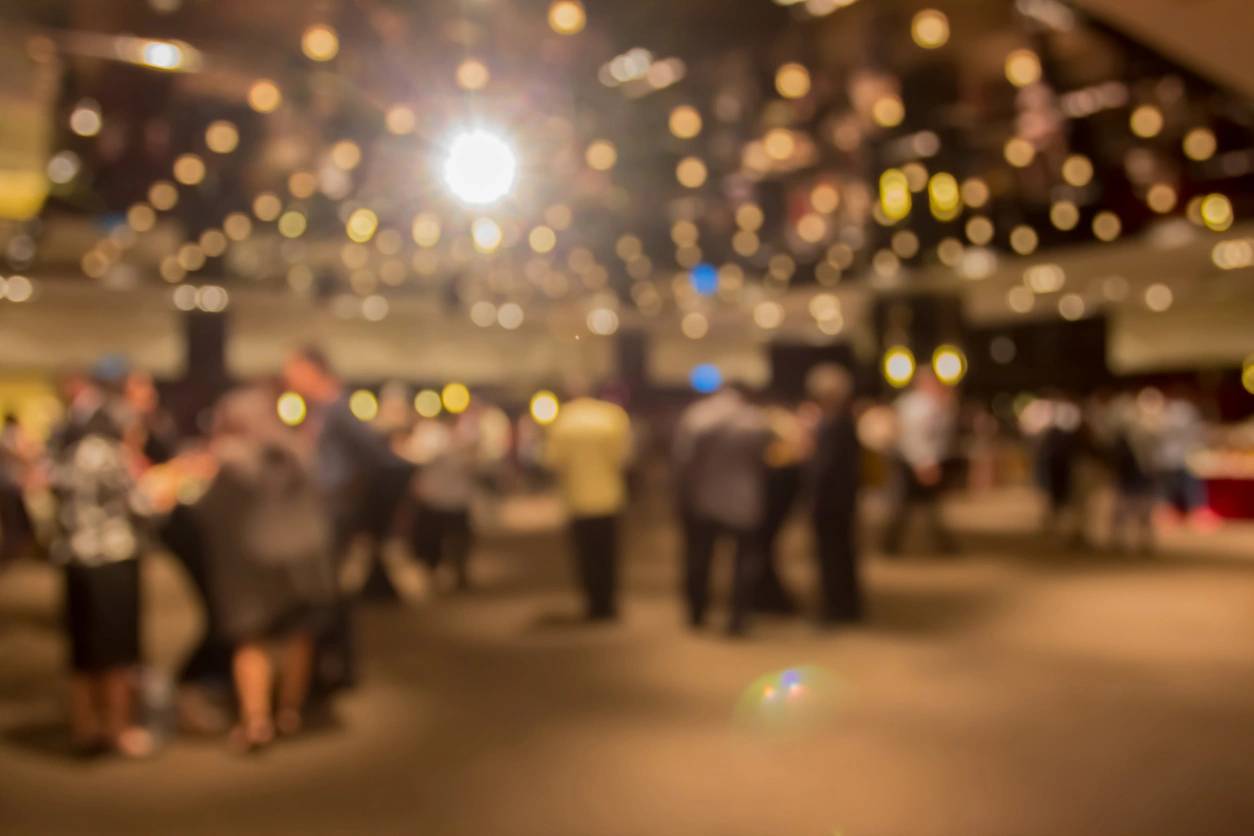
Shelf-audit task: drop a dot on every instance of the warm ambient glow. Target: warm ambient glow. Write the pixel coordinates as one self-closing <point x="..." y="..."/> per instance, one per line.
<point x="480" y="167"/>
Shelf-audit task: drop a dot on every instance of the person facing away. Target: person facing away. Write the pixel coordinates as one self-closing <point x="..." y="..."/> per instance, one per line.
<point x="588" y="447"/>
<point x="98" y="539"/>
<point x="834" y="473"/>
<point x="720" y="464"/>
<point x="446" y="450"/>
<point x="926" y="419"/>
<point x="269" y="563"/>
<point x="349" y="457"/>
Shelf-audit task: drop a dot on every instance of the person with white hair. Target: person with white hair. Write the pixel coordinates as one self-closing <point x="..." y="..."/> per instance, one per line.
<point x="834" y="473"/>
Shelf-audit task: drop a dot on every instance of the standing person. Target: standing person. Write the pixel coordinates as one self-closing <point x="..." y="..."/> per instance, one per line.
<point x="268" y="549"/>
<point x="1130" y="454"/>
<point x="926" y="420"/>
<point x="588" y="447"/>
<point x="98" y="539"/>
<point x="1181" y="433"/>
<point x="446" y="450"/>
<point x="1060" y="448"/>
<point x="784" y="480"/>
<point x="720" y="450"/>
<point x="349" y="457"/>
<point x="156" y="434"/>
<point x="834" y="472"/>
<point x="16" y="460"/>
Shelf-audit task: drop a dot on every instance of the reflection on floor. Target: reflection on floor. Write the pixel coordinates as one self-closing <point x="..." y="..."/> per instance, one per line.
<point x="1017" y="689"/>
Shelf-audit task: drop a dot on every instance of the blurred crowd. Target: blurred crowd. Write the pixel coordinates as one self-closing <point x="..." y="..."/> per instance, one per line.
<point x="291" y="503"/>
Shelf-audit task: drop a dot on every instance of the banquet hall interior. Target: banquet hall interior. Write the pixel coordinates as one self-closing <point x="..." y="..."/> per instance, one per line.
<point x="592" y="417"/>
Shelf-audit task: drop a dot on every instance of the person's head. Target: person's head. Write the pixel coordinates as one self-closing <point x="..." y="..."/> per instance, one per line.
<point x="109" y="374"/>
<point x="308" y="373"/>
<point x="925" y="381"/>
<point x="140" y="392"/>
<point x="246" y="414"/>
<point x="830" y="386"/>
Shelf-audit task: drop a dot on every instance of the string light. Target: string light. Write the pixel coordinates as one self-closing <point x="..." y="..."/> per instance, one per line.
<point x="290" y="407"/>
<point x="455" y="397"/>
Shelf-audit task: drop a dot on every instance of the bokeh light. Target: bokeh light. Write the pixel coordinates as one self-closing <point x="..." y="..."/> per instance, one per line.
<point x="792" y="701"/>
<point x="544" y="407"/>
<point x="898" y="366"/>
<point x="567" y="17"/>
<point x="455" y="397"/>
<point x="705" y="378"/>
<point x="290" y="407"/>
<point x="930" y="29"/>
<point x="320" y="43"/>
<point x="949" y="364"/>
<point x="364" y="405"/>
<point x="427" y="403"/>
<point x="792" y="81"/>
<point x="480" y="167"/>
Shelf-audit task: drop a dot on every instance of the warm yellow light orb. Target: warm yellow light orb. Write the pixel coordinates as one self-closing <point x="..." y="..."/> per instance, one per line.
<point x="685" y="122"/>
<point x="320" y="43"/>
<point x="221" y="136"/>
<point x="544" y="407"/>
<point x="567" y="17"/>
<point x="601" y="155"/>
<point x="949" y="364"/>
<point x="427" y="403"/>
<point x="930" y="29"/>
<point x="792" y="80"/>
<point x="1023" y="67"/>
<point x="264" y="96"/>
<point x="291" y="409"/>
<point x="691" y="172"/>
<point x="364" y="405"/>
<point x="455" y="397"/>
<point x="898" y="366"/>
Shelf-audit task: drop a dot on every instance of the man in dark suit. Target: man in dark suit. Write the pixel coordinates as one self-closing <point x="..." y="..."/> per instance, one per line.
<point x="834" y="482"/>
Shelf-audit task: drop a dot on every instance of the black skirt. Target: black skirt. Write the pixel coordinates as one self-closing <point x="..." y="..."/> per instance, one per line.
<point x="102" y="615"/>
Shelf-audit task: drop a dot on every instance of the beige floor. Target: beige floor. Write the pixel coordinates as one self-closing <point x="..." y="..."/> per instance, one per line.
<point x="1016" y="690"/>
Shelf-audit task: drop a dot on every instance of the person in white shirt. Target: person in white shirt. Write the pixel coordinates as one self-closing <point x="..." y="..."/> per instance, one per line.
<point x="926" y="419"/>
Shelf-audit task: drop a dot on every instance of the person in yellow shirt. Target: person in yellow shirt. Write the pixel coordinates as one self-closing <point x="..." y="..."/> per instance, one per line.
<point x="588" y="448"/>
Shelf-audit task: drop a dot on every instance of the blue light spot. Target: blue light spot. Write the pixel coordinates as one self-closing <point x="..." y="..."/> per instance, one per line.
<point x="704" y="278"/>
<point x="789" y="677"/>
<point x="706" y="378"/>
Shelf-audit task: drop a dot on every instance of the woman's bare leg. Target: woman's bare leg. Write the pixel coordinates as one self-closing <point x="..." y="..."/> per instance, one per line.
<point x="127" y="736"/>
<point x="297" y="666"/>
<point x="85" y="726"/>
<point x="253" y="681"/>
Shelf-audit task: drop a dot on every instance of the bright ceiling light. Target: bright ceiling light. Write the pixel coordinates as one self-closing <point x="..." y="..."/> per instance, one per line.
<point x="480" y="167"/>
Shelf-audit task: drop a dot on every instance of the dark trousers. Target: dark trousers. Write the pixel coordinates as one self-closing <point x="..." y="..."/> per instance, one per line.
<point x="440" y="535"/>
<point x="783" y="485"/>
<point x="596" y="563"/>
<point x="701" y="535"/>
<point x="335" y="659"/>
<point x="210" y="661"/>
<point x="913" y="494"/>
<point x="835" y="548"/>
